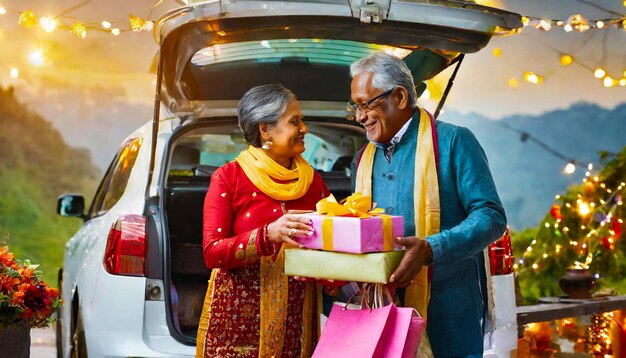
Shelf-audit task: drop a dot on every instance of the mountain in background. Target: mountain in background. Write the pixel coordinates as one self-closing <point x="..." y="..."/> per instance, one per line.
<point x="36" y="166"/>
<point x="528" y="176"/>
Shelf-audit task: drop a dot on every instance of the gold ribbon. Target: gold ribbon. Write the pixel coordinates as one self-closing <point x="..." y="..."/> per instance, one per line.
<point x="327" y="234"/>
<point x="387" y="232"/>
<point x="356" y="205"/>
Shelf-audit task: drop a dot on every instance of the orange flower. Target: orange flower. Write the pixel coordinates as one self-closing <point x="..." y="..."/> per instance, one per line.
<point x="6" y="258"/>
<point x="29" y="299"/>
<point x="27" y="274"/>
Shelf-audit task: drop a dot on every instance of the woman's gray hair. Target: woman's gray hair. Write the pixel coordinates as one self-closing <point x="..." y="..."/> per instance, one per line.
<point x="389" y="72"/>
<point x="261" y="104"/>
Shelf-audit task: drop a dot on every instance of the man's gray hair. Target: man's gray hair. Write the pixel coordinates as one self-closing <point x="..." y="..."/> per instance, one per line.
<point x="389" y="72"/>
<point x="261" y="104"/>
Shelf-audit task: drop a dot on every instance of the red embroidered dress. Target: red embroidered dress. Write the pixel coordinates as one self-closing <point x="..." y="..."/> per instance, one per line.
<point x="235" y="217"/>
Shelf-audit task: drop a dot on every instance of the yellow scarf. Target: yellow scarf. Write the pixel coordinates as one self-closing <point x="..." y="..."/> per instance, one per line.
<point x="426" y="204"/>
<point x="263" y="170"/>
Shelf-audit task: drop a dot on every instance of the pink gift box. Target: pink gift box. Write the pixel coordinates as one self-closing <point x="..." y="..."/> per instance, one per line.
<point x="351" y="234"/>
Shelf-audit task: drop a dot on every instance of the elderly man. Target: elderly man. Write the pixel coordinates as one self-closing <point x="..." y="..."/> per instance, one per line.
<point x="437" y="177"/>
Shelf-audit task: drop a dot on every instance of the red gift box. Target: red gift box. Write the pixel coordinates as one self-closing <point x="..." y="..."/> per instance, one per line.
<point x="501" y="255"/>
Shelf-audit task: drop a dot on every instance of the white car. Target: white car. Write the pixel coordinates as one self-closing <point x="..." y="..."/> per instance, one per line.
<point x="133" y="278"/>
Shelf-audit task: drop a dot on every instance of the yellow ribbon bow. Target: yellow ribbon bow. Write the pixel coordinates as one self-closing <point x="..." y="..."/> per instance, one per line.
<point x="357" y="205"/>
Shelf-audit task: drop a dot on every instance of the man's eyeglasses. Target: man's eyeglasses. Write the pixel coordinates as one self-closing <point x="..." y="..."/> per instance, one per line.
<point x="367" y="106"/>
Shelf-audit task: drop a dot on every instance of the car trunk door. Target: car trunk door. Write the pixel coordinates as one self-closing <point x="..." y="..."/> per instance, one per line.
<point x="211" y="52"/>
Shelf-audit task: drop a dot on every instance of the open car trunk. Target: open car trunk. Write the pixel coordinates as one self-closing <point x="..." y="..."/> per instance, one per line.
<point x="211" y="53"/>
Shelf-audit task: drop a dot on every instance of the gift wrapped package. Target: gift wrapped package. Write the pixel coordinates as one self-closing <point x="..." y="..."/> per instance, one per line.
<point x="352" y="227"/>
<point x="372" y="267"/>
<point x="353" y="234"/>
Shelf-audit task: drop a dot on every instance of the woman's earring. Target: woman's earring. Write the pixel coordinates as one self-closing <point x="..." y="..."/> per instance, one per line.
<point x="267" y="145"/>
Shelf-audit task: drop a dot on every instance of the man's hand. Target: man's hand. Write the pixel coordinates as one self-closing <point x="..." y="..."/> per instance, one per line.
<point x="418" y="253"/>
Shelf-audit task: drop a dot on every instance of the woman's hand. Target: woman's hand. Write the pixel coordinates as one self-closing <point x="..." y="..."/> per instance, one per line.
<point x="288" y="226"/>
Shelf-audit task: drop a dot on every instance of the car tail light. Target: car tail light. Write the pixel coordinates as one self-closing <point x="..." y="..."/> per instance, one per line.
<point x="126" y="250"/>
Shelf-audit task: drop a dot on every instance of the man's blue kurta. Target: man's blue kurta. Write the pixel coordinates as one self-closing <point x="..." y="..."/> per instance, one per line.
<point x="472" y="217"/>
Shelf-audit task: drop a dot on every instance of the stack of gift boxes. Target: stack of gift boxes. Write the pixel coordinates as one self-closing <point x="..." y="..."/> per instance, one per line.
<point x="350" y="242"/>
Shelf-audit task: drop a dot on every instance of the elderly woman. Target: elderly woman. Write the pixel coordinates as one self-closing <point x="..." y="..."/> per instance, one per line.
<point x="251" y="308"/>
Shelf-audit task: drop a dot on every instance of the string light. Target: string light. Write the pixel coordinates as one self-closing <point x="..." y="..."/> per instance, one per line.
<point x="566" y="60"/>
<point x="609" y="82"/>
<point x="599" y="73"/>
<point x="35" y="58"/>
<point x="545" y="25"/>
<point x="524" y="136"/>
<point x="574" y="22"/>
<point x="578" y="22"/>
<point x="79" y="30"/>
<point x="27" y="19"/>
<point x="48" y="24"/>
<point x="583" y="209"/>
<point x="570" y="168"/>
<point x="533" y="78"/>
<point x="138" y="24"/>
<point x="14" y="73"/>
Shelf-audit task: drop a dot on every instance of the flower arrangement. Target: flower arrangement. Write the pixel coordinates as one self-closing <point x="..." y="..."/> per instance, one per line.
<point x="24" y="297"/>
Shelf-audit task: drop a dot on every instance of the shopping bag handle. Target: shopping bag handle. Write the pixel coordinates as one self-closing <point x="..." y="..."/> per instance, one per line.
<point x="380" y="296"/>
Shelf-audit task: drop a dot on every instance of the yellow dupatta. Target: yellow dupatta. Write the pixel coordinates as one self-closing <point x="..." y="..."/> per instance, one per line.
<point x="426" y="205"/>
<point x="263" y="171"/>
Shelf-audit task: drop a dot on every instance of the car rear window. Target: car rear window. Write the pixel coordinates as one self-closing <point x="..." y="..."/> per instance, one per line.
<point x="337" y="52"/>
<point x="329" y="147"/>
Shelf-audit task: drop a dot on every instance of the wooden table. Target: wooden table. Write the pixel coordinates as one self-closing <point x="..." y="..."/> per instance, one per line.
<point x="573" y="308"/>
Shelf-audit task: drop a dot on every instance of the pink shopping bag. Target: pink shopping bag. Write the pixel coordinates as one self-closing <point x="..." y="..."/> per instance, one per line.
<point x="386" y="332"/>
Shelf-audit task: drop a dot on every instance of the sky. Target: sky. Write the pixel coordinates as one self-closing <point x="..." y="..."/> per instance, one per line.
<point x="110" y="74"/>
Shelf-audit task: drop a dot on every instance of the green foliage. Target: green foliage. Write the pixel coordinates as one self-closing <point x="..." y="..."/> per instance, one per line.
<point x="570" y="235"/>
<point x="36" y="167"/>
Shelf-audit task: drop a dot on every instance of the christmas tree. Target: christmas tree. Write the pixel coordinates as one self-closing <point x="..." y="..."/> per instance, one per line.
<point x="582" y="229"/>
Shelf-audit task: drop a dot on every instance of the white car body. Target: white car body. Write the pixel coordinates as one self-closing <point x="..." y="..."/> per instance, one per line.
<point x="118" y="320"/>
<point x="123" y="316"/>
